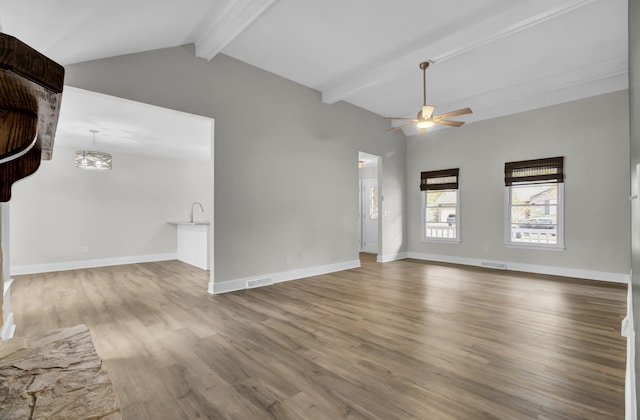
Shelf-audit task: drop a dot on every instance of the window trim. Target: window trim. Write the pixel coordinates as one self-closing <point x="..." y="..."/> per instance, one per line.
<point x="559" y="246"/>
<point x="534" y="172"/>
<point x="439" y="180"/>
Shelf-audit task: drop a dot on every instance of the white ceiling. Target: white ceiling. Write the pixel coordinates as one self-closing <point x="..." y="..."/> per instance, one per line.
<point x="130" y="127"/>
<point x="496" y="56"/>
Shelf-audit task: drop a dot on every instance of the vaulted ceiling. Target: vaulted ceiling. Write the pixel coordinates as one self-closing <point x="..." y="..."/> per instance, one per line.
<point x="495" y="56"/>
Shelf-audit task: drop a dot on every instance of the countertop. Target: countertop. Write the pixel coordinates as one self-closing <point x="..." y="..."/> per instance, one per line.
<point x="188" y="223"/>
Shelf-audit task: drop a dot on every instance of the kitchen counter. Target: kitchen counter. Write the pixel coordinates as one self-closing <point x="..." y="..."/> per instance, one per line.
<point x="193" y="242"/>
<point x="188" y="223"/>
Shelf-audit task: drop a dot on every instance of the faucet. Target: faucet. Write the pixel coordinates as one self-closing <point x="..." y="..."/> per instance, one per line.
<point x="191" y="214"/>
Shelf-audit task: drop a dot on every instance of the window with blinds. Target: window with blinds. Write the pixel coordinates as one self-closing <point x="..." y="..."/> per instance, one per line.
<point x="440" y="205"/>
<point x="534" y="201"/>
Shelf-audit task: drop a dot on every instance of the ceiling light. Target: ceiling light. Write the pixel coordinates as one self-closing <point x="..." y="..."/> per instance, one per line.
<point x="424" y="124"/>
<point x="93" y="160"/>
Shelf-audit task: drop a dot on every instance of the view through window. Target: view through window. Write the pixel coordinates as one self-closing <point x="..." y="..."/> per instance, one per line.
<point x="441" y="210"/>
<point x="534" y="214"/>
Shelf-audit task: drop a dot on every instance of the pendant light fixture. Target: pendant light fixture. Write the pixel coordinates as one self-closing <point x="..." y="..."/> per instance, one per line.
<point x="93" y="160"/>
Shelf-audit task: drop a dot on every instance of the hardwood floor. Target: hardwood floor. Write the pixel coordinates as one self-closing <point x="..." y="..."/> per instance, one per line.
<point x="406" y="339"/>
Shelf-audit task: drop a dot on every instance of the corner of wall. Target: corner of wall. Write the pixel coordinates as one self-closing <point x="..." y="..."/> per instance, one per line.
<point x="273" y="278"/>
<point x="628" y="331"/>
<point x="8" y="328"/>
<point x="383" y="258"/>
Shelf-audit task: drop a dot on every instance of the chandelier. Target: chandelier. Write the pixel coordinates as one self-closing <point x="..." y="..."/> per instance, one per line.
<point x="93" y="160"/>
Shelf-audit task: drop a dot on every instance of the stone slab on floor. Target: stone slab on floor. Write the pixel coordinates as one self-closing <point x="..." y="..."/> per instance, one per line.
<point x="55" y="375"/>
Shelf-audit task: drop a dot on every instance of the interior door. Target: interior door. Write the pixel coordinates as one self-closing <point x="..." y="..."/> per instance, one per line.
<point x="370" y="215"/>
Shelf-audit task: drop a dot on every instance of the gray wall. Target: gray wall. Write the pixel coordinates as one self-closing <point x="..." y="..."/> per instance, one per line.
<point x="369" y="171"/>
<point x="286" y="176"/>
<point x="634" y="110"/>
<point x="592" y="134"/>
<point x="63" y="214"/>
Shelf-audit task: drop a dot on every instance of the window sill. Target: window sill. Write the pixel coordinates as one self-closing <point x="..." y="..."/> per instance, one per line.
<point x="441" y="241"/>
<point x="535" y="246"/>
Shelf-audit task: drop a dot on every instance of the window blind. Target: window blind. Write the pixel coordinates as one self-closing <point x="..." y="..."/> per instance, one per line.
<point x="536" y="171"/>
<point x="445" y="179"/>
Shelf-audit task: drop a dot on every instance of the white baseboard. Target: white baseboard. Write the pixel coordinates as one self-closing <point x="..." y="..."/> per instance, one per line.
<point x="8" y="328"/>
<point x="391" y="257"/>
<point x="7" y="287"/>
<point x="241" y="284"/>
<point x="75" y="265"/>
<point x="527" y="268"/>
<point x="628" y="331"/>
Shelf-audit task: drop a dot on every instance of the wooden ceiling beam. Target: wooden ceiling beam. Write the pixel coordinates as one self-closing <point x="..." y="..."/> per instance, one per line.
<point x="473" y="36"/>
<point x="30" y="94"/>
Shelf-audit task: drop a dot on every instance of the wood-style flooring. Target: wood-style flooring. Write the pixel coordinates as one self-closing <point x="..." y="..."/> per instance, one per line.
<point x="401" y="340"/>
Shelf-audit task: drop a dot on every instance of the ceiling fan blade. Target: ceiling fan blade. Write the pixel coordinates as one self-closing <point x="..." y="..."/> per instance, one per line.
<point x="451" y="123"/>
<point x="400" y="126"/>
<point x="462" y="111"/>
<point x="427" y="111"/>
<point x="400" y="118"/>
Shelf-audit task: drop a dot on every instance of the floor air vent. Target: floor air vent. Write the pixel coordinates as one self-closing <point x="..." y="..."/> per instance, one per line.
<point x="497" y="266"/>
<point x="259" y="282"/>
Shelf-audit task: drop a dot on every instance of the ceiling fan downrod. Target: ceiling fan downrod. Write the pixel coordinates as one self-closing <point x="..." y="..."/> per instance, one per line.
<point x="423" y="66"/>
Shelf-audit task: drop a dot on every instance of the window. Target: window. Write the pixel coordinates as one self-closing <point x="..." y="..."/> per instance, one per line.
<point x="440" y="205"/>
<point x="534" y="203"/>
<point x="373" y="202"/>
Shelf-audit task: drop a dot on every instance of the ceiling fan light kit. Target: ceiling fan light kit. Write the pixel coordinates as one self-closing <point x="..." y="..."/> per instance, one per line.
<point x="425" y="117"/>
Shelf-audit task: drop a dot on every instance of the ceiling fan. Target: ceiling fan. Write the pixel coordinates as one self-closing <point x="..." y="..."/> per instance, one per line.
<point x="425" y="118"/>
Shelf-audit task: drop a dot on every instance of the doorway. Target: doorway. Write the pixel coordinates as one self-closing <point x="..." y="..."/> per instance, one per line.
<point x="370" y="203"/>
<point x="163" y="162"/>
<point x="369" y="215"/>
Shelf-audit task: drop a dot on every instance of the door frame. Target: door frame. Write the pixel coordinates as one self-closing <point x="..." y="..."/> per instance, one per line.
<point x="376" y="160"/>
